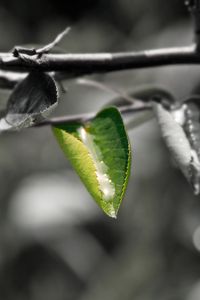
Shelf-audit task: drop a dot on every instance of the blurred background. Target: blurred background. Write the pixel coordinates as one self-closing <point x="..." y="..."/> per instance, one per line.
<point x="55" y="243"/>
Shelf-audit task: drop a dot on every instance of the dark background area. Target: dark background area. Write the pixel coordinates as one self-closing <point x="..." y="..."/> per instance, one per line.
<point x="55" y="243"/>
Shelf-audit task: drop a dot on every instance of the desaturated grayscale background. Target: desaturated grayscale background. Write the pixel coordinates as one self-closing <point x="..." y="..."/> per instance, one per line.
<point x="55" y="243"/>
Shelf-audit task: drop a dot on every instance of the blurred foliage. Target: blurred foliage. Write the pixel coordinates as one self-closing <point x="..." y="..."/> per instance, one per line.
<point x="54" y="242"/>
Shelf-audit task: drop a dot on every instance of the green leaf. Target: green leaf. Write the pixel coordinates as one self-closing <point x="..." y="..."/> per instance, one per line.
<point x="99" y="151"/>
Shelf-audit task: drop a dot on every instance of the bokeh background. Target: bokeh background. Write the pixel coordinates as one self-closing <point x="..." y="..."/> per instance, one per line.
<point x="55" y="243"/>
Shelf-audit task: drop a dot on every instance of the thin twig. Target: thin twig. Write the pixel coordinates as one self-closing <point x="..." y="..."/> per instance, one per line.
<point x="56" y="41"/>
<point x="106" y="88"/>
<point x="88" y="116"/>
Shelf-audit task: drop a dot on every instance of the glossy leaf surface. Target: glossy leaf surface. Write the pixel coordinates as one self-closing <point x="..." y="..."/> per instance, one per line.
<point x="99" y="151"/>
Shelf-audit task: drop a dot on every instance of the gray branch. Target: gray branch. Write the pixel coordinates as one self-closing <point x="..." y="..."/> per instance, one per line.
<point x="82" y="64"/>
<point x="134" y="108"/>
<point x="69" y="65"/>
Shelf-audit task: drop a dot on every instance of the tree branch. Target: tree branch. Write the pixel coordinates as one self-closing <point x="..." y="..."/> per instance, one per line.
<point x="135" y="108"/>
<point x="67" y="66"/>
<point x="82" y="64"/>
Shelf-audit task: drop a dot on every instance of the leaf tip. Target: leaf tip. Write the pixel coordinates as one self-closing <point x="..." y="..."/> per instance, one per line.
<point x="113" y="215"/>
<point x="110" y="211"/>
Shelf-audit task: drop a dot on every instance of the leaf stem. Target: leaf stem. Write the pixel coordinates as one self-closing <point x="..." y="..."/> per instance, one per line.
<point x="88" y="116"/>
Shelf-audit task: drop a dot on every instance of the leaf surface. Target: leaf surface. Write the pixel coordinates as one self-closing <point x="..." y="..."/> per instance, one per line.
<point x="172" y="130"/>
<point x="99" y="151"/>
<point x="31" y="100"/>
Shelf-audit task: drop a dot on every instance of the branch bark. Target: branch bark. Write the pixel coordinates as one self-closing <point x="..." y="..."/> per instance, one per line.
<point x="82" y="64"/>
<point x="67" y="66"/>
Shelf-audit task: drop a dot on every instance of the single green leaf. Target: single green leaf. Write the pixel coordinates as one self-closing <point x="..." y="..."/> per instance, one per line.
<point x="99" y="151"/>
